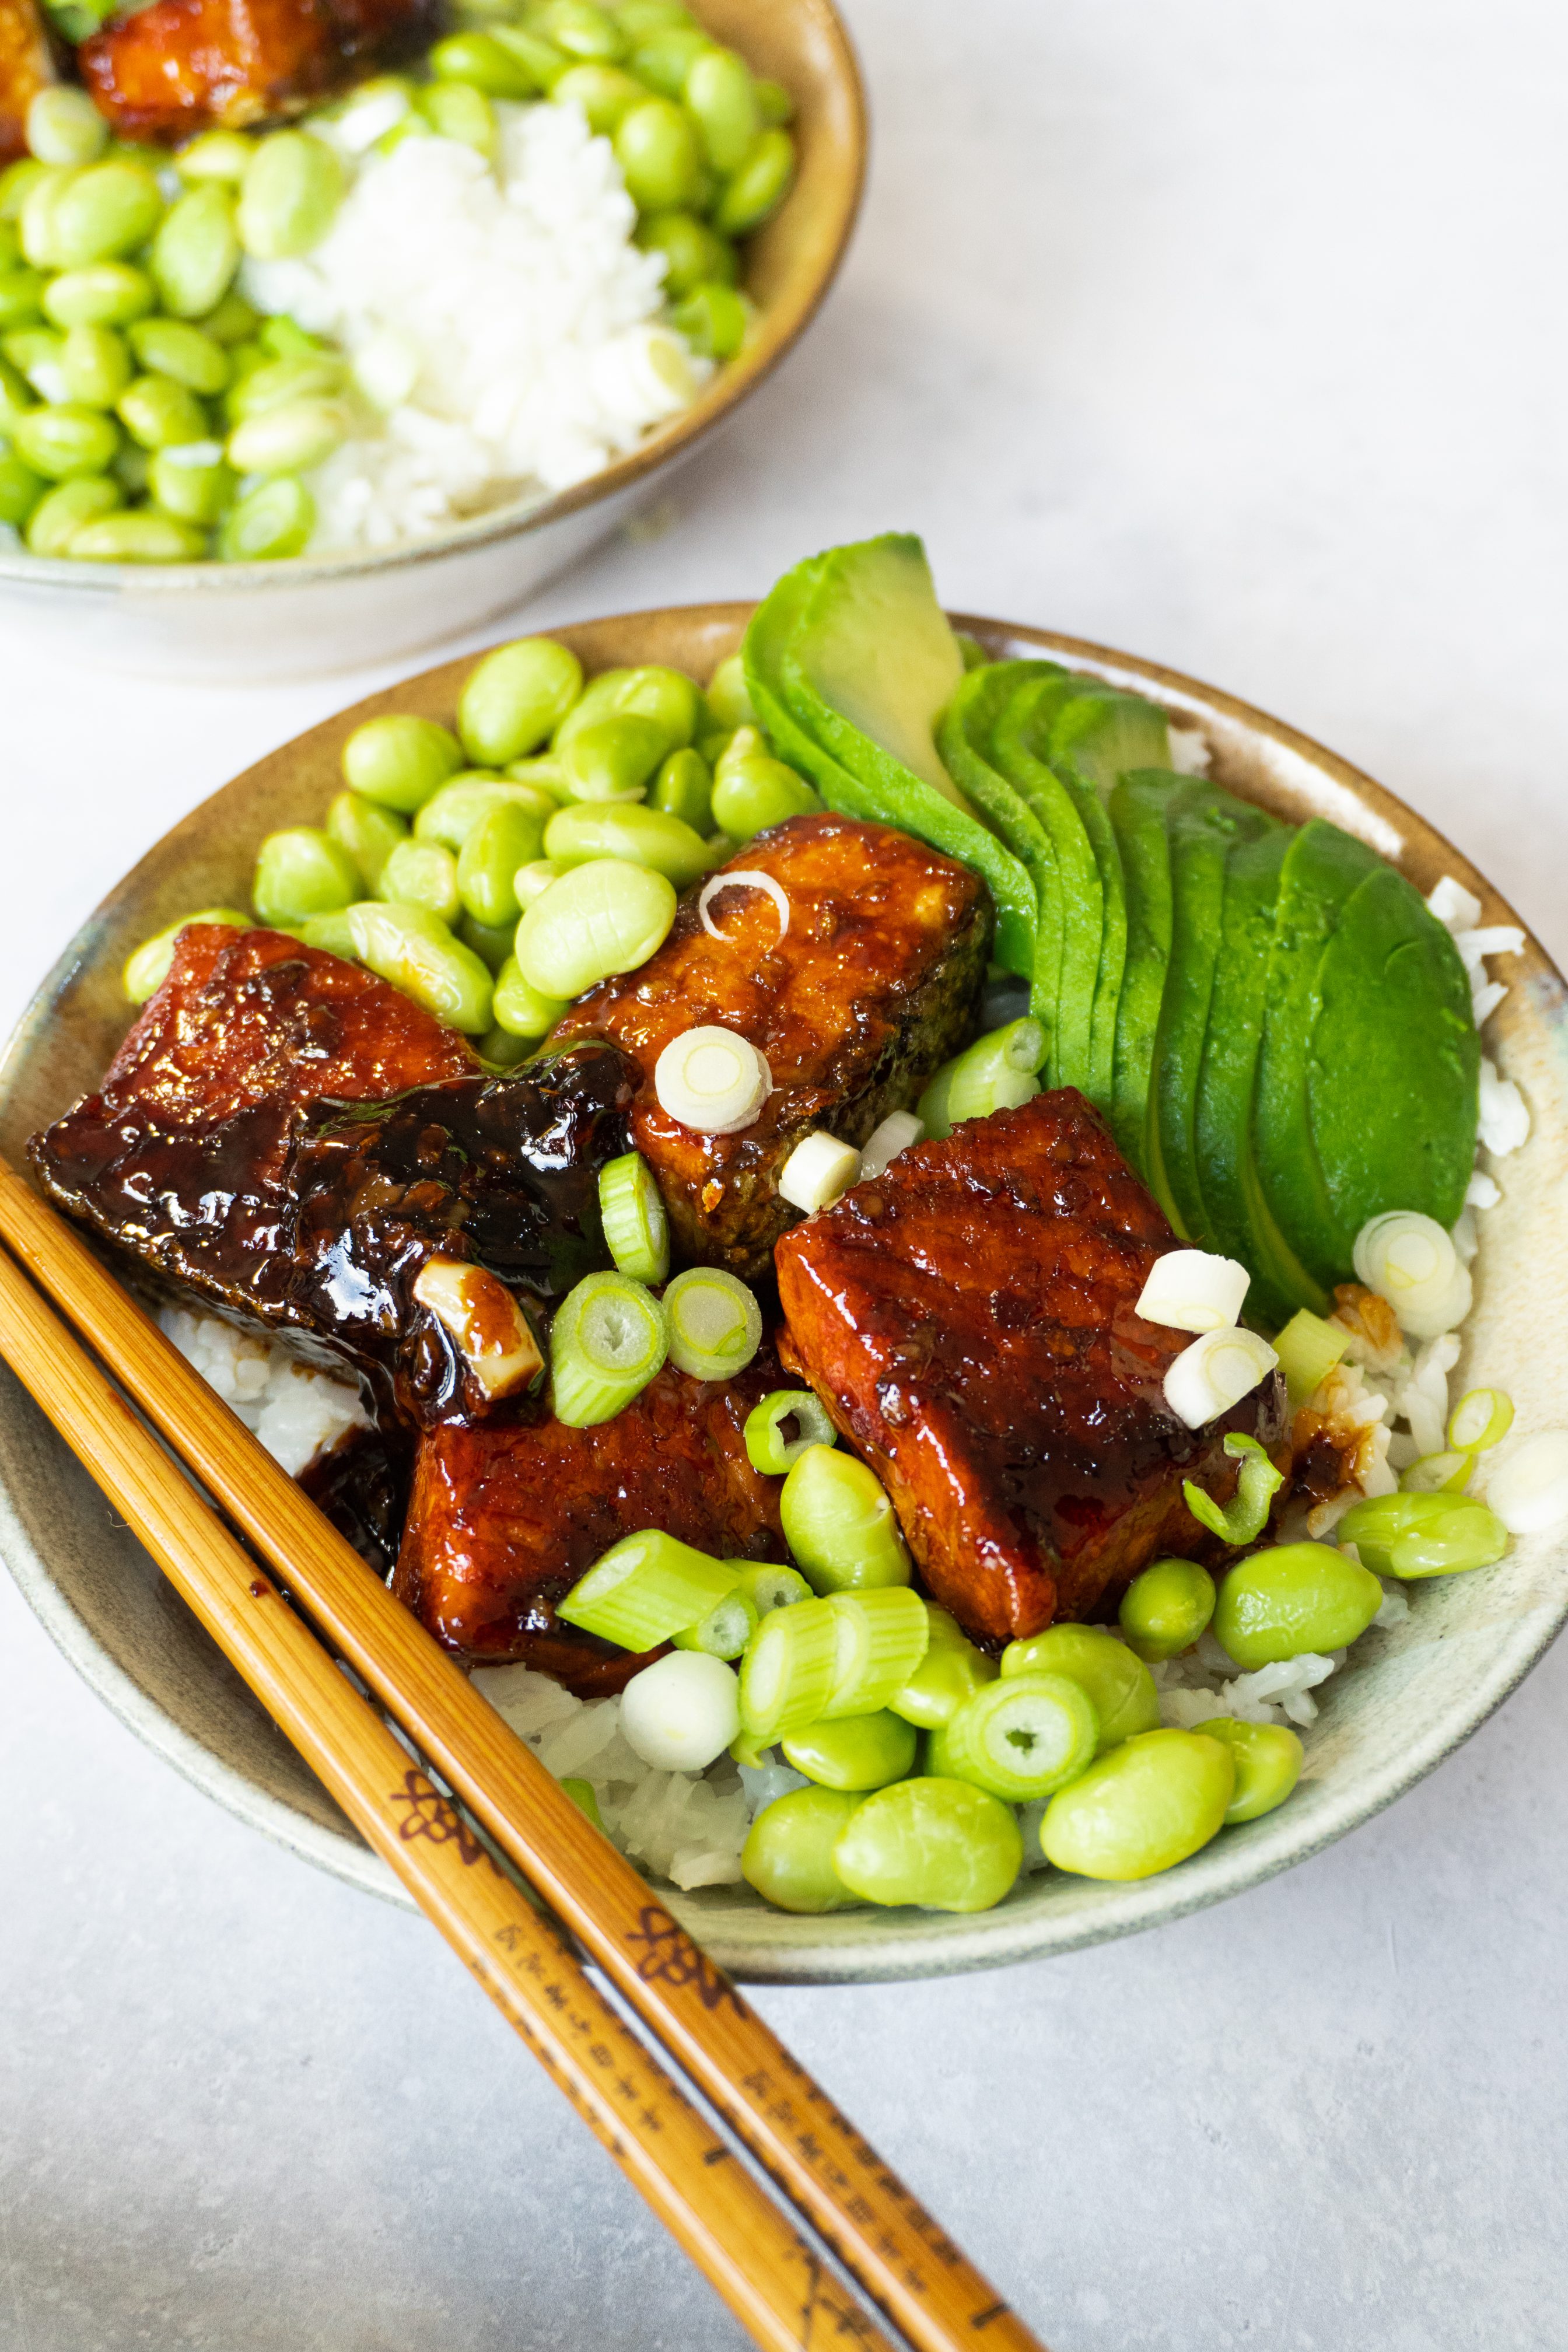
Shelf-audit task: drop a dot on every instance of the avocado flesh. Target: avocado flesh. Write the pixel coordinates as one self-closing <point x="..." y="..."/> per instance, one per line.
<point x="1077" y="913"/>
<point x="1392" y="1067"/>
<point x="1139" y="808"/>
<point x="964" y="736"/>
<point x="874" y="649"/>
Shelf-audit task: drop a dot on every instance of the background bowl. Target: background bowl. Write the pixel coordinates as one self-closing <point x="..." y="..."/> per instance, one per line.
<point x="233" y="621"/>
<point x="1407" y="1699"/>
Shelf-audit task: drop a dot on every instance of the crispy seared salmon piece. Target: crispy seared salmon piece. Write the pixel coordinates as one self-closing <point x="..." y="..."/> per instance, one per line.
<point x="968" y="1318"/>
<point x="504" y="1518"/>
<point x="183" y="65"/>
<point x="873" y="984"/>
<point x="26" y="68"/>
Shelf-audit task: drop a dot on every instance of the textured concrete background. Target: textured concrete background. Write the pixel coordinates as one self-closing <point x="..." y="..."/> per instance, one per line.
<point x="1233" y="337"/>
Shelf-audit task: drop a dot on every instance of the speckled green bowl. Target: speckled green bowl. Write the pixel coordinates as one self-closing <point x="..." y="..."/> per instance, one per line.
<point x="1405" y="1701"/>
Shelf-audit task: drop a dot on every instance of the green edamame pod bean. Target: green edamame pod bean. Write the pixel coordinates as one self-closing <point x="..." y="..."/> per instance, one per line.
<point x="21" y="297"/>
<point x="721" y="98"/>
<point x="368" y="833"/>
<point x="103" y="214"/>
<point x="451" y="815"/>
<point x="1424" y="1535"/>
<point x="774" y="102"/>
<point x="1267" y="1762"/>
<point x="788" y="1853"/>
<point x="750" y="794"/>
<point x="665" y="58"/>
<point x="292" y="439"/>
<point x="195" y="253"/>
<point x="399" y="760"/>
<point x="455" y="110"/>
<point x="422" y="873"/>
<point x="1293" y="1599"/>
<point x="65" y="440"/>
<point x="174" y="348"/>
<point x="58" y="517"/>
<point x="840" y="1524"/>
<point x="544" y="775"/>
<point x="603" y="91"/>
<point x="333" y="934"/>
<point x="300" y="872"/>
<point x="490" y="942"/>
<point x="144" y="537"/>
<point x="10" y="246"/>
<point x="614" y="759"/>
<point x="539" y="58"/>
<point x="521" y="1009"/>
<point x="656" y="147"/>
<point x="484" y="63"/>
<point x="666" y="695"/>
<point x="412" y="950"/>
<point x="692" y="254"/>
<point x="233" y="322"/>
<point x="63" y="126"/>
<point x="160" y="413"/>
<point x="582" y="29"/>
<point x="20" y="490"/>
<point x="147" y="967"/>
<point x="38" y="353"/>
<point x="640" y="19"/>
<point x="683" y="788"/>
<point x="729" y="698"/>
<point x="502" y="1051"/>
<point x="16" y="399"/>
<point x="1119" y="1683"/>
<point x="105" y="294"/>
<point x="222" y="157"/>
<point x="95" y="366"/>
<point x="286" y="339"/>
<point x="290" y="196"/>
<point x="1165" y="1609"/>
<point x="952" y="1671"/>
<point x="133" y="469"/>
<point x="713" y="318"/>
<point x="274" y="520"/>
<point x="943" y="1844"/>
<point x="858" y="1752"/>
<point x="192" y="482"/>
<point x="36" y="217"/>
<point x="531" y="881"/>
<point x="598" y="919"/>
<point x="516" y="698"/>
<point x="644" y="836"/>
<point x="16" y="182"/>
<point x="273" y="382"/>
<point x="758" y="188"/>
<point x="505" y="839"/>
<point x="1144" y="1807"/>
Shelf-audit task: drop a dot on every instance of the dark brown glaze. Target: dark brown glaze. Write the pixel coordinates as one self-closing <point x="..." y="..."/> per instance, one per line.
<point x="26" y="68"/>
<point x="968" y="1320"/>
<point x="183" y="65"/>
<point x="504" y="1518"/>
<point x="874" y="984"/>
<point x="361" y="1484"/>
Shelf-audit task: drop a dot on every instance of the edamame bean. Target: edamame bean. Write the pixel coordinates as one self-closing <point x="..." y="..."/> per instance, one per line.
<point x="1424" y="1535"/>
<point x="147" y="967"/>
<point x="196" y="252"/>
<point x="414" y="950"/>
<point x="583" y="30"/>
<point x="758" y="188"/>
<point x="217" y="156"/>
<point x="540" y="59"/>
<point x="531" y="881"/>
<point x="232" y="322"/>
<point x="502" y="1051"/>
<point x="274" y="520"/>
<point x="399" y="760"/>
<point x="773" y="100"/>
<point x="455" y="110"/>
<point x="16" y="400"/>
<point x="292" y="439"/>
<point x="613" y="761"/>
<point x="10" y="246"/>
<point x="943" y="1844"/>
<point x="683" y="788"/>
<point x="172" y="346"/>
<point x="1119" y="1683"/>
<point x="644" y="836"/>
<point x="160" y="413"/>
<point x="95" y="366"/>
<point x="21" y="297"/>
<point x="333" y="934"/>
<point x="1165" y="1609"/>
<point x="368" y="833"/>
<point x="65" y="440"/>
<point x="545" y="776"/>
<point x="144" y="537"/>
<point x="516" y="698"/>
<point x="598" y="919"/>
<point x="788" y="1853"/>
<point x="656" y="147"/>
<point x="132" y="468"/>
<point x="729" y="697"/>
<point x="490" y="942"/>
<point x="105" y="294"/>
<point x="603" y="91"/>
<point x="36" y="219"/>
<point x="20" y="489"/>
<point x="952" y="1671"/>
<point x="286" y="339"/>
<point x="598" y="699"/>
<point x="290" y="196"/>
<point x="17" y="182"/>
<point x="856" y="1752"/>
<point x="505" y="839"/>
<point x="1293" y="1599"/>
<point x="451" y="815"/>
<point x="713" y="318"/>
<point x="840" y="1524"/>
<point x="422" y="873"/>
<point x="37" y="352"/>
<point x="665" y="58"/>
<point x="522" y="1010"/>
<point x="1267" y="1762"/>
<point x="751" y="793"/>
<point x="300" y="872"/>
<point x="484" y="63"/>
<point x="1144" y="1807"/>
<point x="58" y="517"/>
<point x="63" y="126"/>
<point x="192" y="482"/>
<point x="693" y="256"/>
<point x="103" y="213"/>
<point x="721" y="97"/>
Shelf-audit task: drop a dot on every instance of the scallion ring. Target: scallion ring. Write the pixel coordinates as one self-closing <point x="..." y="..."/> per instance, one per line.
<point x="817" y="1171"/>
<point x="714" y="1322"/>
<point x="711" y="1080"/>
<point x="1216" y="1371"/>
<point x="767" y="1448"/>
<point x="746" y="878"/>
<point x="636" y="1231"/>
<point x="608" y="1340"/>
<point x="1481" y="1419"/>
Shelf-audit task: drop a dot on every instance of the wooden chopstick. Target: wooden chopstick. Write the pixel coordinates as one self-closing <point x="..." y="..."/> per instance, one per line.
<point x="902" y="2258"/>
<point x="775" y="2283"/>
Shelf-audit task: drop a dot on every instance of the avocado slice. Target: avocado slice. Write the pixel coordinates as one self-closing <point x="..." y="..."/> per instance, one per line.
<point x="1138" y="808"/>
<point x="1072" y="921"/>
<point x="1393" y="1065"/>
<point x="964" y="738"/>
<point x="1323" y="868"/>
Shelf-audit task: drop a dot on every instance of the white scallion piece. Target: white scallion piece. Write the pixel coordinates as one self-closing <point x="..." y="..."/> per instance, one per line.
<point x="896" y="1133"/>
<point x="711" y="1080"/>
<point x="1409" y="1260"/>
<point x="1528" y="1492"/>
<point x="1456" y="909"/>
<point x="1193" y="1290"/>
<point x="818" y="1171"/>
<point x="682" y="1712"/>
<point x="747" y="878"/>
<point x="1216" y="1371"/>
<point x="1505" y="1121"/>
<point x="1482" y="1191"/>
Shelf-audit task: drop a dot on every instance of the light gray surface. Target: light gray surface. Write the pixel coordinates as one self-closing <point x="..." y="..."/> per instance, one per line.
<point x="1230" y="336"/>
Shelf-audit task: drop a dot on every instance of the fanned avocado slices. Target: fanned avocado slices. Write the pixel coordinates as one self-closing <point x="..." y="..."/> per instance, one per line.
<point x="1022" y="730"/>
<point x="1139" y="808"/>
<point x="964" y="740"/>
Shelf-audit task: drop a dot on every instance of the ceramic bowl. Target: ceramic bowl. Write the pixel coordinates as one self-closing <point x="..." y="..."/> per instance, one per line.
<point x="251" y="621"/>
<point x="1408" y="1697"/>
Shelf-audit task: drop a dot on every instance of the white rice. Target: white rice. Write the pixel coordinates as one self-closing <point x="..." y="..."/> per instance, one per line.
<point x="297" y="1413"/>
<point x="503" y="327"/>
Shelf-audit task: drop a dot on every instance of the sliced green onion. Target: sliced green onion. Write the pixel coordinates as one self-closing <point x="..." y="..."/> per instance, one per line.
<point x="1241" y="1520"/>
<point x="881" y="1640"/>
<point x="998" y="1073"/>
<point x="1529" y="1490"/>
<point x="1308" y="1349"/>
<point x="767" y="1586"/>
<point x="1439" y="1474"/>
<point x="646" y="1588"/>
<point x="952" y="1671"/>
<point x="582" y="1795"/>
<point x="817" y="1171"/>
<point x="715" y="1323"/>
<point x="1423" y="1535"/>
<point x="1022" y="1739"/>
<point x="1408" y="1259"/>
<point x="1480" y="1419"/>
<point x="680" y="1713"/>
<point x="637" y="1230"/>
<point x="608" y="1340"/>
<point x="1216" y="1371"/>
<point x="1193" y="1290"/>
<point x="725" y="1631"/>
<point x="711" y="1080"/>
<point x="767" y="1447"/>
<point x="840" y="1524"/>
<point x="896" y="1133"/>
<point x="787" y="1673"/>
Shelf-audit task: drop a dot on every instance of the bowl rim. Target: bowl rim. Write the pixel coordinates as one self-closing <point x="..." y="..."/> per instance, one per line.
<point x="788" y="1950"/>
<point x="782" y="324"/>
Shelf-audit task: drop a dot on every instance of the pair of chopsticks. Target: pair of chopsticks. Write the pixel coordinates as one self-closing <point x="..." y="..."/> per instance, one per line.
<point x="754" y="2253"/>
